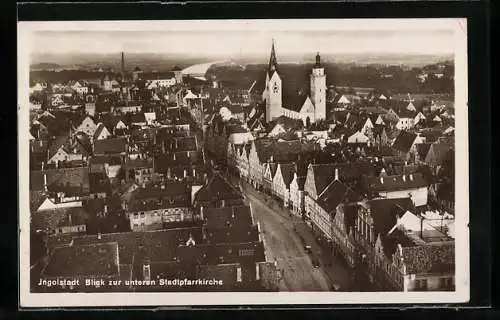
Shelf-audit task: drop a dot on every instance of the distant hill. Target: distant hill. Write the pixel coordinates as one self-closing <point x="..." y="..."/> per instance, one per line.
<point x="45" y="66"/>
<point x="166" y="61"/>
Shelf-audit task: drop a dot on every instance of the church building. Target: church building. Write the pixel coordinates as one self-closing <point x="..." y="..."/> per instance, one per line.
<point x="308" y="108"/>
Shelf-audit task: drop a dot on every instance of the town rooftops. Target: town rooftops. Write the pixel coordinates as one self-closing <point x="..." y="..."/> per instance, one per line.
<point x="171" y="194"/>
<point x="404" y="141"/>
<point x="218" y="188"/>
<point x="395" y="183"/>
<point x="99" y="259"/>
<point x="111" y="146"/>
<point x="426" y="259"/>
<point x="385" y="213"/>
<point x="184" y="245"/>
<point x="333" y="195"/>
<point x="236" y="216"/>
<point x="71" y="181"/>
<point x="287" y="172"/>
<point x="438" y="152"/>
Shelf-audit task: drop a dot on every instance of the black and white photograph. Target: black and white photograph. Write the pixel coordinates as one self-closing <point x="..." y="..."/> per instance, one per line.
<point x="214" y="162"/>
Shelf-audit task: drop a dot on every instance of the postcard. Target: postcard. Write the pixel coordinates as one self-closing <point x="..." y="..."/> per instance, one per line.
<point x="243" y="162"/>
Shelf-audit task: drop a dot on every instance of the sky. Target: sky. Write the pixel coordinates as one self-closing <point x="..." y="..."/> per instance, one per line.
<point x="233" y="38"/>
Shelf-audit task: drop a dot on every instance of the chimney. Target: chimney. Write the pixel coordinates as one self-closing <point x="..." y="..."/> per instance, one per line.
<point x="336" y="174"/>
<point x="238" y="274"/>
<point x="45" y="187"/>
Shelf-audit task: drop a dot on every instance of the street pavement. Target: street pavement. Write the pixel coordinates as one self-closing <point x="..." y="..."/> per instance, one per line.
<point x="285" y="236"/>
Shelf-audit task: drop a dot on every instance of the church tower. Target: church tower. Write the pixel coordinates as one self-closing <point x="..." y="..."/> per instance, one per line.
<point x="273" y="90"/>
<point x="318" y="89"/>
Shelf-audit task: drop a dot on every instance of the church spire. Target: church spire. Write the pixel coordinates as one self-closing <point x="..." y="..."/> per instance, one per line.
<point x="318" y="60"/>
<point x="273" y="62"/>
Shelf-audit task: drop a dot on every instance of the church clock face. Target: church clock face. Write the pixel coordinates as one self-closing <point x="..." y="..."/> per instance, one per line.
<point x="275" y="88"/>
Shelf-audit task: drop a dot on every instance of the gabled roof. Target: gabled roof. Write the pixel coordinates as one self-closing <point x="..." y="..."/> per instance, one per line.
<point x="438" y="152"/>
<point x="332" y="196"/>
<point x="56" y="144"/>
<point x="100" y="128"/>
<point x="404" y="141"/>
<point x="423" y="149"/>
<point x="218" y="188"/>
<point x="287" y="171"/>
<point x="323" y="175"/>
<point x="385" y="213"/>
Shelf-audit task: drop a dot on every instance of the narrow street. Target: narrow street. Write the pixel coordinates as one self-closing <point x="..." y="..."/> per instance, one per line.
<point x="285" y="237"/>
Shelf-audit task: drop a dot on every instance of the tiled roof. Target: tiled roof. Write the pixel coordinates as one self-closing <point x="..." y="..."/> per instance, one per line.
<point x="84" y="260"/>
<point x="385" y="213"/>
<point x="174" y="194"/>
<point x="99" y="183"/>
<point x="231" y="234"/>
<point x="184" y="159"/>
<point x="218" y="188"/>
<point x="153" y="246"/>
<point x="423" y="149"/>
<point x="110" y="145"/>
<point x="239" y="217"/>
<point x="437" y="153"/>
<point x="323" y="175"/>
<point x="71" y="181"/>
<point x="332" y="196"/>
<point x="395" y="183"/>
<point x="99" y="130"/>
<point x="222" y="253"/>
<point x="430" y="258"/>
<point x="56" y="144"/>
<point x="404" y="141"/>
<point x="282" y="151"/>
<point x="287" y="123"/>
<point x="56" y="218"/>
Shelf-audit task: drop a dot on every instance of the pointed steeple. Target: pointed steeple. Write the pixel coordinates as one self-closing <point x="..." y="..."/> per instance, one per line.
<point x="273" y="62"/>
